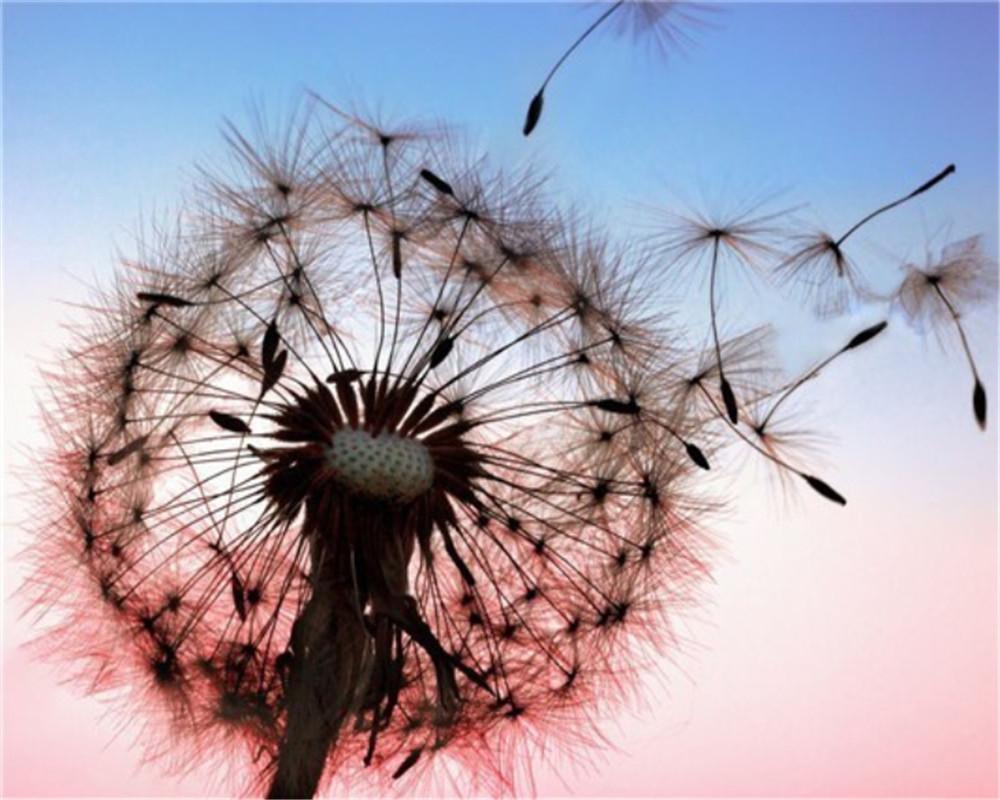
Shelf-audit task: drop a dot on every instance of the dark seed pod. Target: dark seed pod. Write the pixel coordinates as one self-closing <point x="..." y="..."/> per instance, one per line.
<point x="695" y="454"/>
<point x="397" y="255"/>
<point x="612" y="406"/>
<point x="239" y="600"/>
<point x="229" y="423"/>
<point x="979" y="403"/>
<point x="442" y="350"/>
<point x="825" y="489"/>
<point x="273" y="372"/>
<point x="730" y="400"/>
<point x="136" y="444"/>
<point x="269" y="346"/>
<point x="866" y="335"/>
<point x="158" y="298"/>
<point x="437" y="182"/>
<point x="934" y="181"/>
<point x="408" y="762"/>
<point x="534" y="113"/>
<point x="344" y="376"/>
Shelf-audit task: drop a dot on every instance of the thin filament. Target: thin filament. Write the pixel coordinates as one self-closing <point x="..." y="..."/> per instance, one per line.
<point x="920" y="190"/>
<point x="580" y="39"/>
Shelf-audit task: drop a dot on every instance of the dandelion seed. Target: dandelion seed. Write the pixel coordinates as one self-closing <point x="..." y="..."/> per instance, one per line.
<point x="829" y="280"/>
<point x="663" y="21"/>
<point x="941" y="291"/>
<point x="744" y="238"/>
<point x="747" y="356"/>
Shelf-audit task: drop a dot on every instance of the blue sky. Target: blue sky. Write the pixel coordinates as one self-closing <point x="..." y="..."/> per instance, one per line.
<point x="838" y="105"/>
<point x="832" y="108"/>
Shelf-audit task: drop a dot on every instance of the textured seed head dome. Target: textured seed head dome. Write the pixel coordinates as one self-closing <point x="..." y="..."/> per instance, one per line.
<point x="383" y="466"/>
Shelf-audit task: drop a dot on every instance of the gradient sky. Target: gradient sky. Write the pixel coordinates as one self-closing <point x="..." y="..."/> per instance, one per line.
<point x="840" y="651"/>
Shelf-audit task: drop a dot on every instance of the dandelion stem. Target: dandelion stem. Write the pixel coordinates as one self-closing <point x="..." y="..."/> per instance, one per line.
<point x="328" y="646"/>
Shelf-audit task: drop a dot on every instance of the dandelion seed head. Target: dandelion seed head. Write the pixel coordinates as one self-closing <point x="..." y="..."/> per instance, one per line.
<point x="340" y="431"/>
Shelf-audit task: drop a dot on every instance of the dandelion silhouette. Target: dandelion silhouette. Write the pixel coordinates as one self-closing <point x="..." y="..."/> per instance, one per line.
<point x="375" y="458"/>
<point x="829" y="280"/>
<point x="936" y="294"/>
<point x="662" y="20"/>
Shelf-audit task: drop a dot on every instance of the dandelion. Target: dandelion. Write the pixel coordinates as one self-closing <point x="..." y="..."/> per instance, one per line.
<point x="375" y="460"/>
<point x="938" y="293"/>
<point x="742" y="240"/>
<point x="828" y="278"/>
<point x="663" y="21"/>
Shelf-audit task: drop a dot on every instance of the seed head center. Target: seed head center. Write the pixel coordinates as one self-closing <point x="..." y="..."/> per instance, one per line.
<point x="385" y="467"/>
